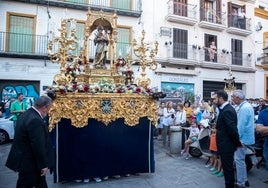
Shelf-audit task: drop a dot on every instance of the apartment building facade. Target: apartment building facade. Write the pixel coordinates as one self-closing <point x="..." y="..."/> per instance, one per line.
<point x="184" y="29"/>
<point x="261" y="44"/>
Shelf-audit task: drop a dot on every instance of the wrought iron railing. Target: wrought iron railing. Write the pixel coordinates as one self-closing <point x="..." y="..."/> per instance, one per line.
<point x="123" y="5"/>
<point x="23" y="43"/>
<point x="226" y="57"/>
<point x="181" y="9"/>
<point x="181" y="51"/>
<point x="26" y="44"/>
<point x="239" y="22"/>
<point x="203" y="54"/>
<point x="212" y="16"/>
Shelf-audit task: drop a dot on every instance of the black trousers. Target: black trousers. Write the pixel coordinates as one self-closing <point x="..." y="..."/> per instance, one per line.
<point x="184" y="135"/>
<point x="31" y="180"/>
<point x="227" y="161"/>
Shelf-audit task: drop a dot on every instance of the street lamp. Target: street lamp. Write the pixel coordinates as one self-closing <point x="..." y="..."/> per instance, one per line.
<point x="229" y="86"/>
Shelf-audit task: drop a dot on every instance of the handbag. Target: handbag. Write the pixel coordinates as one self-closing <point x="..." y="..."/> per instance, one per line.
<point x="183" y="125"/>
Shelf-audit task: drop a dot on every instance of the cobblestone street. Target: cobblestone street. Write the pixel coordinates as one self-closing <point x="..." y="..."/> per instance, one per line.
<point x="171" y="171"/>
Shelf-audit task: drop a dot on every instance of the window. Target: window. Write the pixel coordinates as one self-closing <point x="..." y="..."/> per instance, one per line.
<point x="79" y="32"/>
<point x="100" y="3"/>
<point x="211" y="11"/>
<point x="209" y="53"/>
<point x="265" y="45"/>
<point x="20" y="37"/>
<point x="77" y="1"/>
<point x="237" y="51"/>
<point x="121" y="4"/>
<point x="180" y="7"/>
<point x="180" y="43"/>
<point x="237" y="16"/>
<point x="123" y="41"/>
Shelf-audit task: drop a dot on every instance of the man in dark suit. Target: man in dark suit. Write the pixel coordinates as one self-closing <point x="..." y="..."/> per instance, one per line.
<point x="31" y="153"/>
<point x="227" y="136"/>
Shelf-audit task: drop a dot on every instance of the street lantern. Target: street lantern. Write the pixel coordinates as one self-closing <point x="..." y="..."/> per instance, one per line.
<point x="229" y="86"/>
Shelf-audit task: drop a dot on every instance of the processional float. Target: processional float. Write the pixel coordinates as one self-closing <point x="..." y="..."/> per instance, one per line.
<point x="89" y="90"/>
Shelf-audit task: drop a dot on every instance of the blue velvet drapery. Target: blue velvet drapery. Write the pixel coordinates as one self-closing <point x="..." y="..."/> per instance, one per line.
<point x="97" y="150"/>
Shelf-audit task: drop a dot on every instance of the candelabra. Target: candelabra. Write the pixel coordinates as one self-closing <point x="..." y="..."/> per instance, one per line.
<point x="66" y="45"/>
<point x="146" y="54"/>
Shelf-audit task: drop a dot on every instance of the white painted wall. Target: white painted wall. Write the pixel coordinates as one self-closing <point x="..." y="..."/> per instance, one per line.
<point x="153" y="17"/>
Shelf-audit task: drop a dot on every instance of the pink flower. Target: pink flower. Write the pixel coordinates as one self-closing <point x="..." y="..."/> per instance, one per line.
<point x="61" y="91"/>
<point x="86" y="88"/>
<point x="138" y="90"/>
<point x="69" y="69"/>
<point x="119" y="90"/>
<point x="75" y="86"/>
<point x="129" y="72"/>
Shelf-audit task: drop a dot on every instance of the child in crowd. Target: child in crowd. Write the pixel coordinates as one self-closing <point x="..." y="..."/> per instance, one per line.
<point x="194" y="131"/>
<point x="215" y="160"/>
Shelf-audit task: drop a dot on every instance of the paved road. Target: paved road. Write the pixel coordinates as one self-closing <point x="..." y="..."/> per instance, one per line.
<point x="171" y="172"/>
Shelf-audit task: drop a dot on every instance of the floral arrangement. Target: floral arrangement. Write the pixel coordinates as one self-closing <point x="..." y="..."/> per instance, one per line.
<point x="129" y="78"/>
<point x="75" y="66"/>
<point x="103" y="86"/>
<point x="120" y="62"/>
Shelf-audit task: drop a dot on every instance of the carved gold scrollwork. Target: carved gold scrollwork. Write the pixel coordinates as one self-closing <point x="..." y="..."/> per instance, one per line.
<point x="102" y="107"/>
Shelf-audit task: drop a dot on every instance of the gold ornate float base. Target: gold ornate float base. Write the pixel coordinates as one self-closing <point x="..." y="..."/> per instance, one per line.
<point x="103" y="107"/>
<point x="97" y="75"/>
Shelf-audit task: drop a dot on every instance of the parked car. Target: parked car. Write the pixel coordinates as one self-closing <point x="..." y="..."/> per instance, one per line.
<point x="6" y="130"/>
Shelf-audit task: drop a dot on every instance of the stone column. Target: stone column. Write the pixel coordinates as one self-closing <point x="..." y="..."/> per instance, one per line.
<point x="175" y="140"/>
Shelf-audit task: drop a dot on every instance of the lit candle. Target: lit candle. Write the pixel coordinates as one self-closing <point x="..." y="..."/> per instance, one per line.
<point x="65" y="14"/>
<point x="73" y="24"/>
<point x="81" y="43"/>
<point x="50" y="36"/>
<point x="128" y="49"/>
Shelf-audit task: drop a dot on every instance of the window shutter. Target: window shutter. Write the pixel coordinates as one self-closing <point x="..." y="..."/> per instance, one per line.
<point x="180" y="43"/>
<point x="218" y="11"/>
<point x="121" y="4"/>
<point x="123" y="41"/>
<point x="230" y="14"/>
<point x="21" y="34"/>
<point x="202" y="10"/>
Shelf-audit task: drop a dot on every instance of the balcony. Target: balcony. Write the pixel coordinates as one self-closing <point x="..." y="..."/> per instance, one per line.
<point x="263" y="59"/>
<point x="122" y="7"/>
<point x="249" y="1"/>
<point x="35" y="46"/>
<point x="239" y="26"/>
<point x="241" y="62"/>
<point x="23" y="45"/>
<point x="264" y="63"/>
<point x="182" y="13"/>
<point x="179" y="55"/>
<point x="210" y="19"/>
<point x="184" y="55"/>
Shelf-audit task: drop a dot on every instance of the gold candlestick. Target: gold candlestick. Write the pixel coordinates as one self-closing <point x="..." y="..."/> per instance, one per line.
<point x="63" y="55"/>
<point x="146" y="54"/>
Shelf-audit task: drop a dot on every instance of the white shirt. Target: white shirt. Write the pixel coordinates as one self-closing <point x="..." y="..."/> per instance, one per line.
<point x="167" y="121"/>
<point x="180" y="117"/>
<point x="194" y="131"/>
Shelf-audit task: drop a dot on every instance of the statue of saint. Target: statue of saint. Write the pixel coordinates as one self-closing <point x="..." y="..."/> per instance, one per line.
<point x="101" y="42"/>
